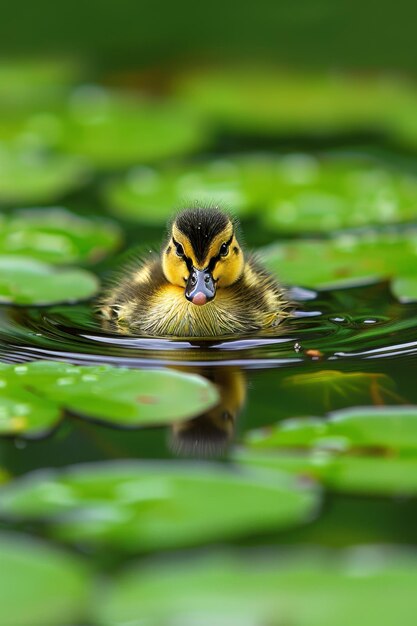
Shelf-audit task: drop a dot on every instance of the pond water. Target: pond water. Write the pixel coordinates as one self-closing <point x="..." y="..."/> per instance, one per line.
<point x="164" y="451"/>
<point x="360" y="331"/>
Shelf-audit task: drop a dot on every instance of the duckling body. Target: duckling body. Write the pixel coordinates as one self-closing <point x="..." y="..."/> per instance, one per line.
<point x="200" y="286"/>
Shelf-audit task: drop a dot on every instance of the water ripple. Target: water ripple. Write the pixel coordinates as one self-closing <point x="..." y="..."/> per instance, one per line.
<point x="349" y="324"/>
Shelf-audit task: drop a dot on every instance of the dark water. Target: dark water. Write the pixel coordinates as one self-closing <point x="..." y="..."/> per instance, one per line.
<point x="262" y="379"/>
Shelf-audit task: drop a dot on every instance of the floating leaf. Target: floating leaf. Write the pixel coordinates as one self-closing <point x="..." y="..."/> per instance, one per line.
<point x="123" y="396"/>
<point x="393" y="428"/>
<point x="301" y="193"/>
<point x="40" y="584"/>
<point x="33" y="175"/>
<point x="23" y="412"/>
<point x="57" y="236"/>
<point x="148" y="506"/>
<point x="267" y="101"/>
<point x="35" y="394"/>
<point x="405" y="288"/>
<point x="114" y="129"/>
<point x="313" y="588"/>
<point x="344" y="473"/>
<point x="151" y="195"/>
<point x="328" y="442"/>
<point x="309" y="195"/>
<point x="27" y="281"/>
<point x="402" y="125"/>
<point x="373" y="475"/>
<point x="29" y="83"/>
<point x="250" y="99"/>
<point x="344" y="260"/>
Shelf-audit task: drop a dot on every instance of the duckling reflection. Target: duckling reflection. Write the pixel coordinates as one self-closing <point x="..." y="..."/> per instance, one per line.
<point x="209" y="434"/>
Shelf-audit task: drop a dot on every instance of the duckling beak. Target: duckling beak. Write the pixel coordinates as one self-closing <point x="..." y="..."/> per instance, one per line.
<point x="200" y="287"/>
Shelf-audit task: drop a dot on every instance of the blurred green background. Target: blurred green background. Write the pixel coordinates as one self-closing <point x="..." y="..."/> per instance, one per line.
<point x="319" y="33"/>
<point x="301" y="117"/>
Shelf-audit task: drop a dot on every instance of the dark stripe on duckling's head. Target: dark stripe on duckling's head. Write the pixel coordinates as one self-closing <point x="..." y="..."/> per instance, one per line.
<point x="201" y="226"/>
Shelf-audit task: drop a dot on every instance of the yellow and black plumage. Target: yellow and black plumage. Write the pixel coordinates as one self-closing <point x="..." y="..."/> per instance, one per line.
<point x="201" y="285"/>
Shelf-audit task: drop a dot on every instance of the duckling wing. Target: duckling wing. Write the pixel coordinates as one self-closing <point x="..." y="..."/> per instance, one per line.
<point x="130" y="288"/>
<point x="265" y="298"/>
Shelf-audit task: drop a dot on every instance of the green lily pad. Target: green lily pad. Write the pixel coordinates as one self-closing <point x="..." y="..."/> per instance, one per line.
<point x="23" y="412"/>
<point x="27" y="281"/>
<point x="34" y="396"/>
<point x="29" y="83"/>
<point x="343" y="452"/>
<point x="392" y="428"/>
<point x="113" y="129"/>
<point x="301" y="193"/>
<point x="372" y="475"/>
<point x="249" y="99"/>
<point x="402" y="125"/>
<point x="309" y="195"/>
<point x="151" y="195"/>
<point x="405" y="288"/>
<point x="342" y="473"/>
<point x="40" y="584"/>
<point x="33" y="175"/>
<point x="57" y="236"/>
<point x="313" y="588"/>
<point x="150" y="506"/>
<point x="344" y="260"/>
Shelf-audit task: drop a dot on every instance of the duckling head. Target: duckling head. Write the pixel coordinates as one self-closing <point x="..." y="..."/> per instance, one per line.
<point x="202" y="254"/>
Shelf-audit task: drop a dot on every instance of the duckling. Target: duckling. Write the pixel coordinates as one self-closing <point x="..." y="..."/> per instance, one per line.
<point x="201" y="285"/>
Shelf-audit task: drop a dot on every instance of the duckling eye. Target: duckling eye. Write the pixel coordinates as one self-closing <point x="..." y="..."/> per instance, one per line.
<point x="179" y="249"/>
<point x="224" y="249"/>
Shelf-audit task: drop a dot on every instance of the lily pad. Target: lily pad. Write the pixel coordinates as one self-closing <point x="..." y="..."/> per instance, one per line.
<point x="151" y="506"/>
<point x="392" y="428"/>
<point x="151" y="195"/>
<point x="405" y="288"/>
<point x="34" y="175"/>
<point x="344" y="451"/>
<point x="309" y="195"/>
<point x="25" y="281"/>
<point x="313" y="588"/>
<point x="30" y="83"/>
<point x="403" y="124"/>
<point x="57" y="236"/>
<point x="341" y="473"/>
<point x="112" y="129"/>
<point x="372" y="475"/>
<point x="344" y="260"/>
<point x="34" y="396"/>
<point x="23" y="412"/>
<point x="249" y="99"/>
<point x="300" y="192"/>
<point x="40" y="584"/>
